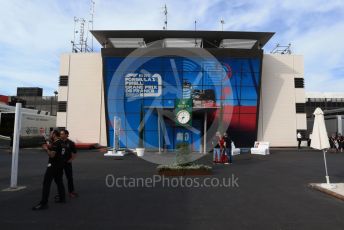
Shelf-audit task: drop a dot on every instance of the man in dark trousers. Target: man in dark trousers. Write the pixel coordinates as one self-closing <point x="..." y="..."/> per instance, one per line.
<point x="228" y="147"/>
<point x="54" y="172"/>
<point x="69" y="155"/>
<point x="299" y="139"/>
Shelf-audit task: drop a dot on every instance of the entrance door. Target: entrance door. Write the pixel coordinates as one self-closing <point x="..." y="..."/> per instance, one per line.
<point x="182" y="135"/>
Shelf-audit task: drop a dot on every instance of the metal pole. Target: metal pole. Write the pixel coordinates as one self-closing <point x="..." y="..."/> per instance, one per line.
<point x="205" y="133"/>
<point x="51" y="106"/>
<point x="114" y="150"/>
<point x="159" y="131"/>
<point x="15" y="147"/>
<point x="339" y="124"/>
<point x="116" y="133"/>
<point x="327" y="177"/>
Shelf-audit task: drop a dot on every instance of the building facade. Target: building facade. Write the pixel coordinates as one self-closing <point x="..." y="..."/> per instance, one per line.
<point x="168" y="87"/>
<point x="325" y="101"/>
<point x="32" y="98"/>
<point x="333" y="106"/>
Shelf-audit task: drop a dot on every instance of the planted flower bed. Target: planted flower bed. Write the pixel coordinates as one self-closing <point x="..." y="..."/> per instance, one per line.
<point x="184" y="170"/>
<point x="182" y="165"/>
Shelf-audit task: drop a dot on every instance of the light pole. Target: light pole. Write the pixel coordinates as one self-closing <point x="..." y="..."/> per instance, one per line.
<point x="56" y="93"/>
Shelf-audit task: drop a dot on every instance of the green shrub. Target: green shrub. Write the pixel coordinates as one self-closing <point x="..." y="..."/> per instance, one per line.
<point x="176" y="167"/>
<point x="183" y="156"/>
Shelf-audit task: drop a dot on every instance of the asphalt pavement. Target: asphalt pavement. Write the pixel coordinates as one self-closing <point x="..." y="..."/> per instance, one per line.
<point x="272" y="193"/>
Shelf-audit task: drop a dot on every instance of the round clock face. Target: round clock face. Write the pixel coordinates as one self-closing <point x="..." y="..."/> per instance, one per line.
<point x="183" y="116"/>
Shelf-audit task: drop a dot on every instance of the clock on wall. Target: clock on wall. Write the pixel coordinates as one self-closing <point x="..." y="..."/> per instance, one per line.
<point x="183" y="116"/>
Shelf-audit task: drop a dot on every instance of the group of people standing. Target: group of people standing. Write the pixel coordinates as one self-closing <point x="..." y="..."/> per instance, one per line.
<point x="337" y="142"/>
<point x="222" y="149"/>
<point x="61" y="152"/>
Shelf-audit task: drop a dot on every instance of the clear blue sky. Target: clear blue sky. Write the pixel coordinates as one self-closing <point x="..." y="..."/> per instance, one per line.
<point x="34" y="33"/>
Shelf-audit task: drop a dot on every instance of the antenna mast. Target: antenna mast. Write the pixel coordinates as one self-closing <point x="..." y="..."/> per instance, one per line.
<point x="222" y="22"/>
<point x="81" y="46"/>
<point x="281" y="49"/>
<point x="79" y="29"/>
<point x="195" y="33"/>
<point x="91" y="21"/>
<point x="165" y="13"/>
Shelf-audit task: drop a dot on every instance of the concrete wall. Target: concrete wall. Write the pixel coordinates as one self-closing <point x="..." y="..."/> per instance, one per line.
<point x="85" y="116"/>
<point x="278" y="120"/>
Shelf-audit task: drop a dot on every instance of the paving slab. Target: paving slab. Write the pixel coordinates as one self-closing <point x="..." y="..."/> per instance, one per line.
<point x="334" y="189"/>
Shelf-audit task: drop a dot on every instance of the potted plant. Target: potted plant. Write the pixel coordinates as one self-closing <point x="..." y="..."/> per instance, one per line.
<point x="183" y="165"/>
<point x="183" y="153"/>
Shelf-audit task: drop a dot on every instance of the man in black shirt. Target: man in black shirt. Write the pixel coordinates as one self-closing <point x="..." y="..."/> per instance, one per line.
<point x="54" y="172"/>
<point x="69" y="155"/>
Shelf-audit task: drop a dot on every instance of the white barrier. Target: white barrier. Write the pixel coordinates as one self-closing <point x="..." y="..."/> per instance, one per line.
<point x="6" y="138"/>
<point x="235" y="151"/>
<point x="261" y="148"/>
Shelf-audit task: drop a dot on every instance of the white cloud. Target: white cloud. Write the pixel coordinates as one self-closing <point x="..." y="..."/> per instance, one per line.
<point x="35" y="33"/>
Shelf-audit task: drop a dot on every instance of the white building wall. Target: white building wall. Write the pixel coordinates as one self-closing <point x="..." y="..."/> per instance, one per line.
<point x="85" y="117"/>
<point x="61" y="119"/>
<point x="300" y="95"/>
<point x="63" y="93"/>
<point x="278" y="120"/>
<point x="103" y="138"/>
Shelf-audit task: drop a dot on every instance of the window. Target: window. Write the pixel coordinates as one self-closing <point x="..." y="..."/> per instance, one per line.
<point x="300" y="107"/>
<point x="299" y="82"/>
<point x="63" y="81"/>
<point x="62" y="106"/>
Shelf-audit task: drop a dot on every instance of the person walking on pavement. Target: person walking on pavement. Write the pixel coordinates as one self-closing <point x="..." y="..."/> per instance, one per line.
<point x="224" y="158"/>
<point x="228" y="147"/>
<point x="341" y="142"/>
<point x="299" y="138"/>
<point x="69" y="155"/>
<point x="54" y="172"/>
<point x="334" y="143"/>
<point x="309" y="141"/>
<point x="217" y="151"/>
